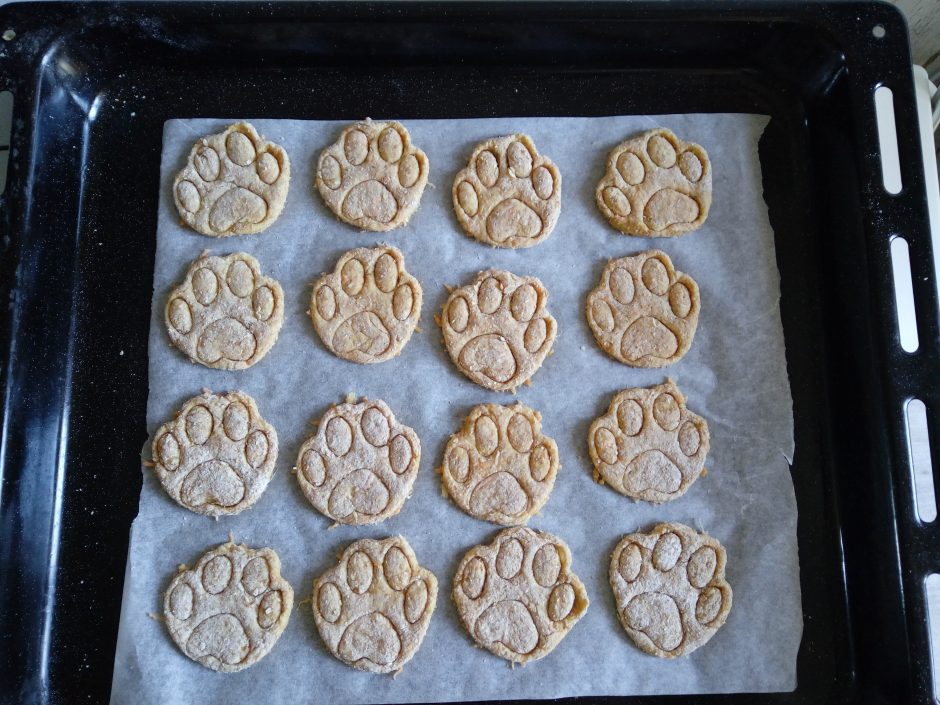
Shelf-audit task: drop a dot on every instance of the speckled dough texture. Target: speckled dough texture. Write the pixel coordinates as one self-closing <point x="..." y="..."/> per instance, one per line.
<point x="517" y="596"/>
<point x="372" y="176"/>
<point x="648" y="445"/>
<point x="366" y="309"/>
<point x="217" y="456"/>
<point x="234" y="183"/>
<point x="643" y="312"/>
<point x="360" y="465"/>
<point x="498" y="466"/>
<point x="229" y="610"/>
<point x="498" y="330"/>
<point x="656" y="185"/>
<point x="670" y="588"/>
<point x="508" y="195"/>
<point x="373" y="609"/>
<point x="226" y="314"/>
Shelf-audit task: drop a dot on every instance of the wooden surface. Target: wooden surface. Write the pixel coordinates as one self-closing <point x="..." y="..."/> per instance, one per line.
<point x="923" y="18"/>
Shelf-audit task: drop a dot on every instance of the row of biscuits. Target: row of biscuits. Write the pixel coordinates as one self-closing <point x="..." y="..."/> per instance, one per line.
<point x="227" y="314"/>
<point x="217" y="456"/>
<point x="372" y="177"/>
<point x="518" y="597"/>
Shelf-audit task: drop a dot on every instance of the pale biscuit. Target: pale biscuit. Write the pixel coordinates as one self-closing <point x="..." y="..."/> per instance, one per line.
<point x="230" y="609"/>
<point x="361" y="464"/>
<point x="508" y="195"/>
<point x="517" y="596"/>
<point x="373" y="609"/>
<point x="498" y="330"/>
<point x="226" y="314"/>
<point x="643" y="312"/>
<point x="499" y="467"/>
<point x="648" y="445"/>
<point x="366" y="309"/>
<point x="234" y="183"/>
<point x="217" y="456"/>
<point x="670" y="588"/>
<point x="372" y="176"/>
<point x="656" y="185"/>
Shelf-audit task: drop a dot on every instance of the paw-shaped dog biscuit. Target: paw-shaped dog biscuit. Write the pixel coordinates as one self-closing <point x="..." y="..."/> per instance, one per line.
<point x="643" y="311"/>
<point x="234" y="183"/>
<point x="498" y="330"/>
<point x="656" y="185"/>
<point x="508" y="195"/>
<point x="367" y="308"/>
<point x="499" y="467"/>
<point x="226" y="314"/>
<point x="648" y="445"/>
<point x="670" y="588"/>
<point x="229" y="610"/>
<point x="372" y="176"/>
<point x="372" y="610"/>
<point x="217" y="456"/>
<point x="360" y="466"/>
<point x="517" y="596"/>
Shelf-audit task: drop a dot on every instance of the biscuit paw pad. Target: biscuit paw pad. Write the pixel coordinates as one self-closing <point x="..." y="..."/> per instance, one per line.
<point x="360" y="466"/>
<point x="372" y="610"/>
<point x="499" y="467"/>
<point x="230" y="609"/>
<point x="649" y="445"/>
<point x="670" y="588"/>
<point x="226" y="314"/>
<point x="508" y="195"/>
<point x="656" y="185"/>
<point x="234" y="183"/>
<point x="517" y="596"/>
<point x="366" y="309"/>
<point x="372" y="176"/>
<point x="643" y="311"/>
<point x="217" y="456"/>
<point x="498" y="330"/>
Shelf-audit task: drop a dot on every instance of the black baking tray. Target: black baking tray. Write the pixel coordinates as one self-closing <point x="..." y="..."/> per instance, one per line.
<point x="93" y="84"/>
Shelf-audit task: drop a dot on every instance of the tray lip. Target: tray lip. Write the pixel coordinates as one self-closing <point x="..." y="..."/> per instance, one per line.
<point x="655" y="11"/>
<point x="56" y="12"/>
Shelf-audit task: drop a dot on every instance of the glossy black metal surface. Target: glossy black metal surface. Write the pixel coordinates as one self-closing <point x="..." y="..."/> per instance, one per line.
<point x="93" y="84"/>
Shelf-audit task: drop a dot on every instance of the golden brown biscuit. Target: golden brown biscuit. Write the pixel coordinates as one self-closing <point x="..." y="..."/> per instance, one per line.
<point x="643" y="312"/>
<point x="372" y="176"/>
<point x="366" y="309"/>
<point x="373" y="609"/>
<point x="508" y="195"/>
<point x="656" y="185"/>
<point x="217" y="456"/>
<point x="226" y="314"/>
<point x="234" y="183"/>
<point x="498" y="330"/>
<point x="648" y="445"/>
<point x="670" y="588"/>
<point x="499" y="467"/>
<point x="230" y="609"/>
<point x="360" y="465"/>
<point x="517" y="596"/>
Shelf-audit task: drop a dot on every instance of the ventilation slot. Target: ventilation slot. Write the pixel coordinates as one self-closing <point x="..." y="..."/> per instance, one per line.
<point x="904" y="294"/>
<point x="888" y="140"/>
<point x="932" y="588"/>
<point x="6" y="124"/>
<point x="921" y="465"/>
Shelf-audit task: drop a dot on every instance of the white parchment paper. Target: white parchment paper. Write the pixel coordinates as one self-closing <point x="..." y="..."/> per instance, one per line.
<point x="734" y="375"/>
